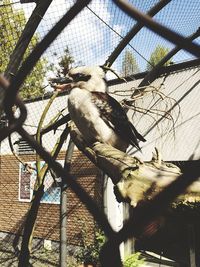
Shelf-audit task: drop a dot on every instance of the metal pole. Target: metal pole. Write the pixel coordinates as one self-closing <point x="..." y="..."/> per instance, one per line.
<point x="158" y="28"/>
<point x="136" y="28"/>
<point x="63" y="207"/>
<point x="191" y="239"/>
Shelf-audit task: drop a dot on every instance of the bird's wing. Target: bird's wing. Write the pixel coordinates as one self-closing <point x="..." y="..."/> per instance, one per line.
<point x="114" y="115"/>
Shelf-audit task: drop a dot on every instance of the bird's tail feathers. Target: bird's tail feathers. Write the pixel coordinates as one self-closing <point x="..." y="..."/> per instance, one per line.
<point x="138" y="135"/>
<point x="135" y="145"/>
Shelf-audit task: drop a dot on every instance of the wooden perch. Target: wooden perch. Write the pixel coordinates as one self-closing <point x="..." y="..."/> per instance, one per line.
<point x="134" y="180"/>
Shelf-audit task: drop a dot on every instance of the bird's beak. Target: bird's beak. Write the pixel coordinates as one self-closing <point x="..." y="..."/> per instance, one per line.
<point x="61" y="84"/>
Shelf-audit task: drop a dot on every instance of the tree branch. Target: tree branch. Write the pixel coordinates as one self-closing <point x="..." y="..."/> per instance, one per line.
<point x="135" y="181"/>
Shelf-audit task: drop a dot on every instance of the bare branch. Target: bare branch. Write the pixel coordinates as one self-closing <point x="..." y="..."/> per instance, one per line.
<point x="134" y="180"/>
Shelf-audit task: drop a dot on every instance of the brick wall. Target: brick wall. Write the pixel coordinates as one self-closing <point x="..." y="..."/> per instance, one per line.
<point x="13" y="211"/>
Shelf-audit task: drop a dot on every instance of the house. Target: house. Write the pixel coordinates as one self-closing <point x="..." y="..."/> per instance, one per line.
<point x="176" y="134"/>
<point x="177" y="139"/>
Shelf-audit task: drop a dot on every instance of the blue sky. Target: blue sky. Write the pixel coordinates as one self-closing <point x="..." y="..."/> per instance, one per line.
<point x="91" y="41"/>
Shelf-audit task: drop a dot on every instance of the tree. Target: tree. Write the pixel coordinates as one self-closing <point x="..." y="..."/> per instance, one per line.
<point x="12" y="23"/>
<point x="157" y="55"/>
<point x="66" y="62"/>
<point x="129" y="64"/>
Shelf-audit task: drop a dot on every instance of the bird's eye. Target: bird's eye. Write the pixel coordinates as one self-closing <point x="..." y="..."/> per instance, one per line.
<point x="80" y="77"/>
<point x="77" y="76"/>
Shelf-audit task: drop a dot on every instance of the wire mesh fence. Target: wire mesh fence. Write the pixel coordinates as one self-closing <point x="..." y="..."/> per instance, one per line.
<point x="62" y="34"/>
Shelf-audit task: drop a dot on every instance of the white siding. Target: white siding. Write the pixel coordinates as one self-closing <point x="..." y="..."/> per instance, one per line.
<point x="35" y="110"/>
<point x="184" y="142"/>
<point x="181" y="144"/>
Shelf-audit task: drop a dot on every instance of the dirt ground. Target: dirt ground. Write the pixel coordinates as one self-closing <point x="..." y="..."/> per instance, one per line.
<point x="40" y="257"/>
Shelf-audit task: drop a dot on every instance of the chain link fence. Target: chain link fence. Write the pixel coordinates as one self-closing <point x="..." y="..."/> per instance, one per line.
<point x="42" y="40"/>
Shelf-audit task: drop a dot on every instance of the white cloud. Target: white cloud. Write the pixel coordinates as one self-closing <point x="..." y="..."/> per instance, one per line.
<point x="88" y="38"/>
<point x="83" y="35"/>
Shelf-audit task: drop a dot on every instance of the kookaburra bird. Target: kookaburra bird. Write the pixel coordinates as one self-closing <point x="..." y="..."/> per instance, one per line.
<point x="97" y="115"/>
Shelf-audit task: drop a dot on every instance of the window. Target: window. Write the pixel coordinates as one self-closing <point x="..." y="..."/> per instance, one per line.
<point x="27" y="178"/>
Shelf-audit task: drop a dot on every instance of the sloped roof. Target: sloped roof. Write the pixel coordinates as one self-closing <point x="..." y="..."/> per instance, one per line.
<point x="177" y="139"/>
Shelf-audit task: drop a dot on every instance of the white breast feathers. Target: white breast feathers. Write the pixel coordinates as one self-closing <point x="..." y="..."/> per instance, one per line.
<point x="87" y="118"/>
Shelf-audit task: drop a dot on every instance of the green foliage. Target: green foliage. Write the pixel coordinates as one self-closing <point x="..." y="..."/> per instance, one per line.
<point x="66" y="62"/>
<point x="88" y="252"/>
<point x="33" y="86"/>
<point x="71" y="261"/>
<point x="129" y="64"/>
<point x="133" y="260"/>
<point x="157" y="55"/>
<point x="12" y="23"/>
